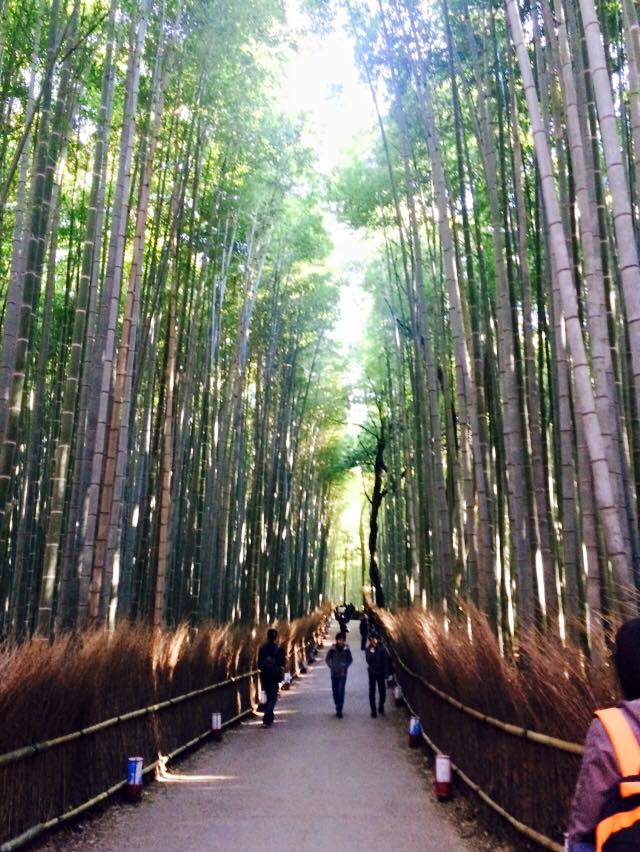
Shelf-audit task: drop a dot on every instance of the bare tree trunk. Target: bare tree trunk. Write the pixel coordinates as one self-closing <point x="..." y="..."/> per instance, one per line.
<point x="377" y="497"/>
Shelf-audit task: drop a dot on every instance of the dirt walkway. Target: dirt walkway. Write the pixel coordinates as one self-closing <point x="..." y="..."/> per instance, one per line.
<point x="312" y="782"/>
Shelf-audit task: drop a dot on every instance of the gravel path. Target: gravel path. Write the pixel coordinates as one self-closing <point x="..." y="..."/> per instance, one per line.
<point x="312" y="782"/>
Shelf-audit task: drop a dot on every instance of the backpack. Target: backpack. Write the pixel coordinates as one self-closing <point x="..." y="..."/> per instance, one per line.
<point x="270" y="666"/>
<point x="618" y="828"/>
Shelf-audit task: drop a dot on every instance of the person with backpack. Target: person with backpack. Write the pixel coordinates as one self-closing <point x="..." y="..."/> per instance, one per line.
<point x="378" y="665"/>
<point x="339" y="659"/>
<point x="271" y="665"/>
<point x="605" y="814"/>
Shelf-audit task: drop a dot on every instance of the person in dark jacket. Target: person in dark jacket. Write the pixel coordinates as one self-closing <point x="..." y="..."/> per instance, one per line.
<point x="378" y="665"/>
<point x="364" y="632"/>
<point x="341" y="615"/>
<point x="600" y="772"/>
<point x="339" y="659"/>
<point x="271" y="664"/>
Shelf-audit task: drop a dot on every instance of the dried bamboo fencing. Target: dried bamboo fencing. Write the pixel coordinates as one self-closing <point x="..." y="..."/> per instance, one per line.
<point x="48" y="783"/>
<point x="525" y="776"/>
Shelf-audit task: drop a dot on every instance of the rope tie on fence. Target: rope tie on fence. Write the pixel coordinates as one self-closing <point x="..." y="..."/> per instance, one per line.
<point x="505" y="727"/>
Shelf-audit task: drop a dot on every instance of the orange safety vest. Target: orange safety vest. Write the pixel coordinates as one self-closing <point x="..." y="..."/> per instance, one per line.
<point x="619" y="826"/>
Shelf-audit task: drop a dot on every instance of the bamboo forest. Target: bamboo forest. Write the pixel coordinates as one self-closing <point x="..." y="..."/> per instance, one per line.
<point x="172" y="402"/>
<point x="311" y="302"/>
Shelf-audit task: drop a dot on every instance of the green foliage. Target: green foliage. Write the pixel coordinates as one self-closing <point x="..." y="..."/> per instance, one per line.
<point x="360" y="190"/>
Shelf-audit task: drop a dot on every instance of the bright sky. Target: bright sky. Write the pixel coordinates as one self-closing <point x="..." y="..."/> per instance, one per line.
<point x="323" y="83"/>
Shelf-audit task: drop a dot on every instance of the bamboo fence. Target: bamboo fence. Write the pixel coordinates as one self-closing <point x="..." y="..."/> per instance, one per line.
<point x="524" y="776"/>
<point x="46" y="784"/>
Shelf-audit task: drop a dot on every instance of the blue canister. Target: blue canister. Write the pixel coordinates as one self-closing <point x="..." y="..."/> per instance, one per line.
<point x="133" y="789"/>
<point x="134" y="771"/>
<point x="414" y="732"/>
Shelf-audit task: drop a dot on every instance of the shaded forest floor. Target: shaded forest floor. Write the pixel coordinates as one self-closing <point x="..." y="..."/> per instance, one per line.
<point x="300" y="786"/>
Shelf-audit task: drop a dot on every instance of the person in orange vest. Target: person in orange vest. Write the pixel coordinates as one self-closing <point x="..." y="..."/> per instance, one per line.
<point x="605" y="815"/>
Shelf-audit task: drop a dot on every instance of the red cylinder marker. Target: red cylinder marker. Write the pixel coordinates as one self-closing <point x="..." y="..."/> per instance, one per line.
<point x="442" y="784"/>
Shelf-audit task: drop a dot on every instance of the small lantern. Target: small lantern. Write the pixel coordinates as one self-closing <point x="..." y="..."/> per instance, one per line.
<point x="216" y="726"/>
<point x="414" y="732"/>
<point x="287" y="680"/>
<point x="262" y="700"/>
<point x="134" y="779"/>
<point x="442" y="785"/>
<point x="397" y="694"/>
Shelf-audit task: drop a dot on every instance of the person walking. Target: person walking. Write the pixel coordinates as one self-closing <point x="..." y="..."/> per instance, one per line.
<point x="271" y="665"/>
<point x="364" y="632"/>
<point x="339" y="659"/>
<point x="605" y="813"/>
<point x="342" y="619"/>
<point x="377" y="664"/>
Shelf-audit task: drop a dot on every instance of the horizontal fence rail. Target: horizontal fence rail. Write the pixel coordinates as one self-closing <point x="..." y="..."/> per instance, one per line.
<point x="37" y="748"/>
<point x="505" y="727"/>
<point x="237" y="701"/>
<point x="55" y="822"/>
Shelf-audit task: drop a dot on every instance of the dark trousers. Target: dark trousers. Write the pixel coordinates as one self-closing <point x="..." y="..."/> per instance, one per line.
<point x="271" y="690"/>
<point x="338" y="685"/>
<point x="382" y="691"/>
<point x="363" y="642"/>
